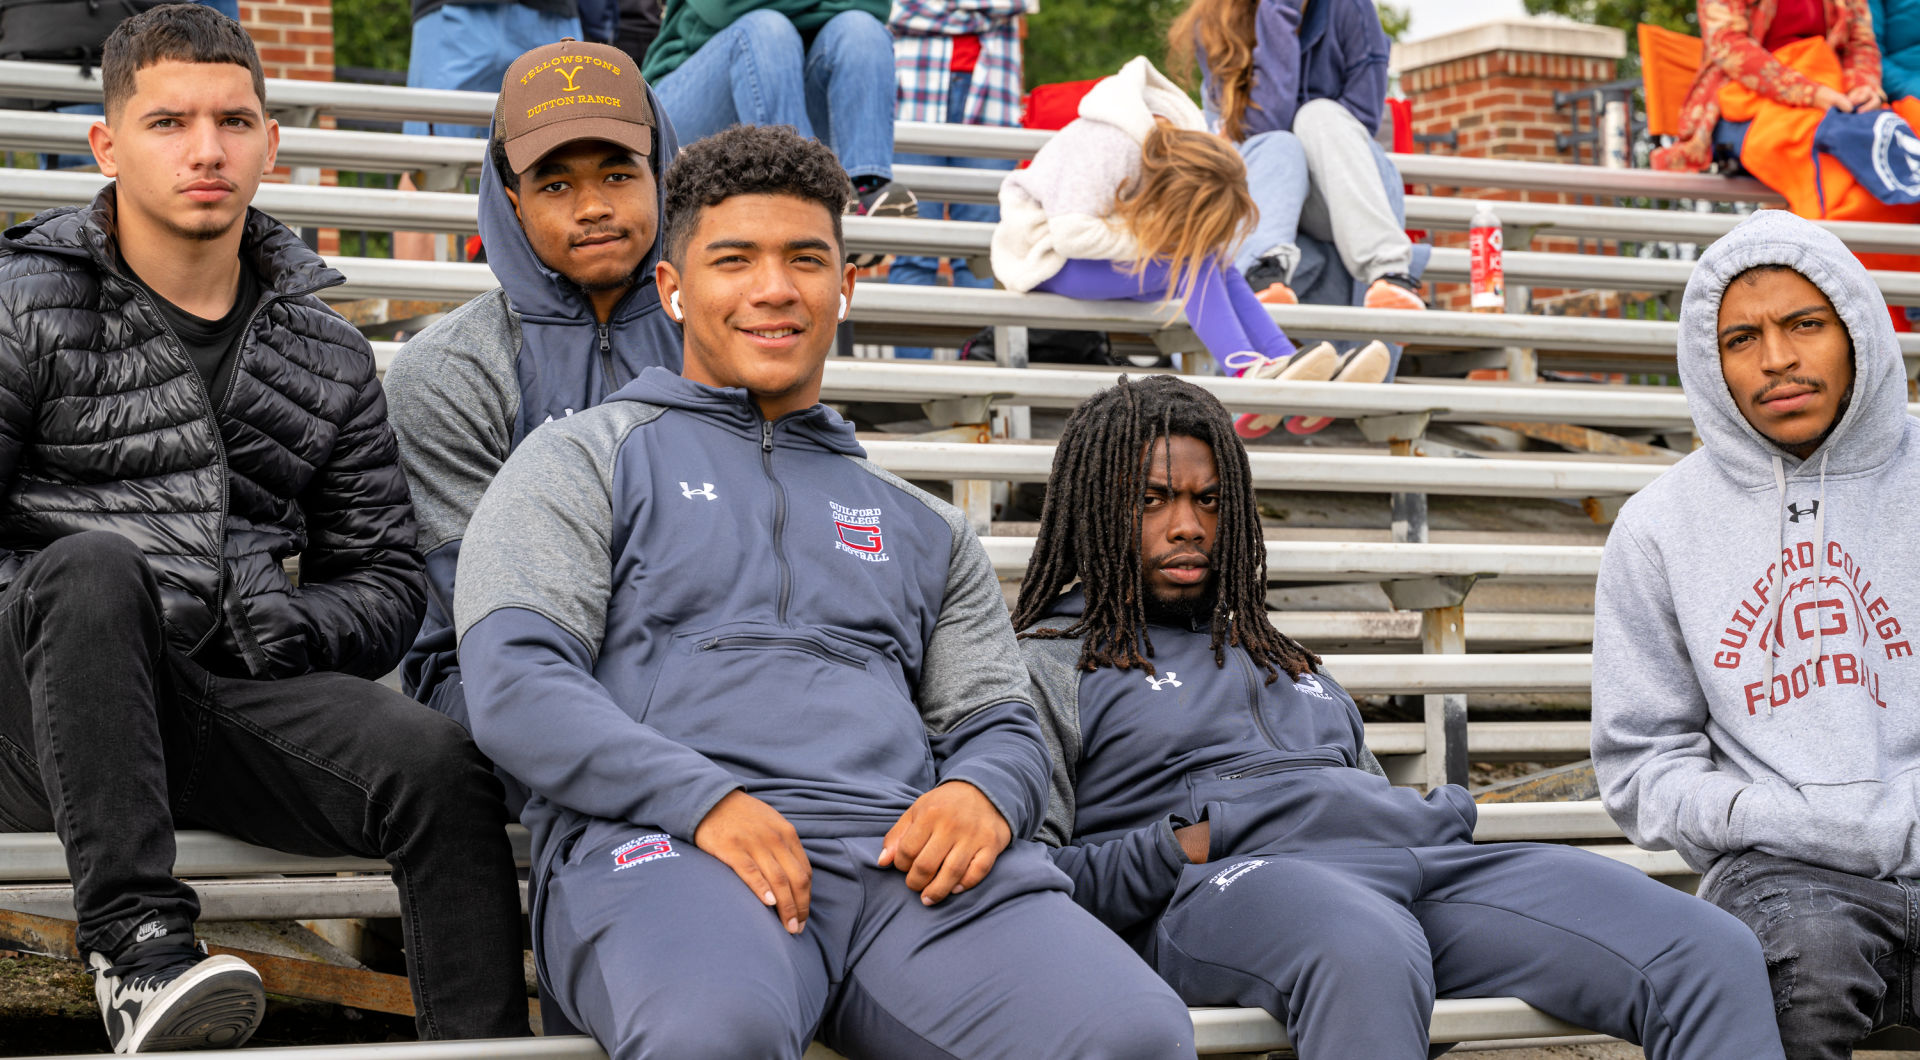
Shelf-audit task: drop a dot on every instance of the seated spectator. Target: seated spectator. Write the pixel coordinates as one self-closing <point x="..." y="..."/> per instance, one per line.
<point x="783" y="778"/>
<point x="1299" y="87"/>
<point x="1896" y="28"/>
<point x="180" y="414"/>
<point x="1753" y="685"/>
<point x="1215" y="803"/>
<point x="1784" y="82"/>
<point x="824" y="67"/>
<point x="570" y="209"/>
<point x="957" y="61"/>
<point x="1136" y="200"/>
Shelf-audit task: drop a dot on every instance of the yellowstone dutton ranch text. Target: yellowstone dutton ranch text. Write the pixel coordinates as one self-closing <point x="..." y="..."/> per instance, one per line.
<point x="1842" y="608"/>
<point x="569" y="66"/>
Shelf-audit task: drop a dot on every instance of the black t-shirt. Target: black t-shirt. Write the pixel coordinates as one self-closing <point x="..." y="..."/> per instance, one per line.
<point x="211" y="343"/>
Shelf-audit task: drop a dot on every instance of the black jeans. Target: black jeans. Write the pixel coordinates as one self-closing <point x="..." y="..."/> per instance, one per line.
<point x="1840" y="948"/>
<point x="112" y="738"/>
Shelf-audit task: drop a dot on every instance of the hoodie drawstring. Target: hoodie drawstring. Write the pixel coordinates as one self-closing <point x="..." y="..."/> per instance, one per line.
<point x="1780" y="570"/>
<point x="1779" y="578"/>
<point x="1819" y="563"/>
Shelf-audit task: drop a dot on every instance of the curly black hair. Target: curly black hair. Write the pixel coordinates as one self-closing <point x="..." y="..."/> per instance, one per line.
<point x="1090" y="531"/>
<point x="751" y="160"/>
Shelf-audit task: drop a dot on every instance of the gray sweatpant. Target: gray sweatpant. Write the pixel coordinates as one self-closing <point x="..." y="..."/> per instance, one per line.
<point x="1349" y="948"/>
<point x="1324" y="179"/>
<point x="658" y="950"/>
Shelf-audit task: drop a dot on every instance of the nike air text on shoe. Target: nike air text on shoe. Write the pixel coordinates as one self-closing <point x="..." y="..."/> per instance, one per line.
<point x="1368" y="364"/>
<point x="888" y="198"/>
<point x="165" y="994"/>
<point x="1315" y="365"/>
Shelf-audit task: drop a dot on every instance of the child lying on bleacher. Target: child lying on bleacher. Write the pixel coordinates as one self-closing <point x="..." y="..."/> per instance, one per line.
<point x="1136" y="200"/>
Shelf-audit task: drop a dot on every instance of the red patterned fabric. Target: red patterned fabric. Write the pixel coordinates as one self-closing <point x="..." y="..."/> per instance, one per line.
<point x="1795" y="20"/>
<point x="1732" y="31"/>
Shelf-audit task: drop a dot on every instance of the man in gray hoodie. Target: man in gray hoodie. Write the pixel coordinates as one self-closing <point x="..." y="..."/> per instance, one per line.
<point x="1754" y="680"/>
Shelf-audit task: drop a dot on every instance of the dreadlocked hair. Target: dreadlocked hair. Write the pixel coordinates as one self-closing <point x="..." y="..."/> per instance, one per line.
<point x="1090" y="531"/>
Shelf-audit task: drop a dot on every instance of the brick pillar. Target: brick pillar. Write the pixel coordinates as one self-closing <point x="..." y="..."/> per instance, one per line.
<point x="295" y="40"/>
<point x="1493" y="85"/>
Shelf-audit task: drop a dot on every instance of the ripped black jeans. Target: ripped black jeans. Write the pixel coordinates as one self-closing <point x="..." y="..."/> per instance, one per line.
<point x="1841" y="949"/>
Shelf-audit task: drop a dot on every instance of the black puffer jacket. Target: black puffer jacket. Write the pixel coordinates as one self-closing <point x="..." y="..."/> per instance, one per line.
<point x="105" y="424"/>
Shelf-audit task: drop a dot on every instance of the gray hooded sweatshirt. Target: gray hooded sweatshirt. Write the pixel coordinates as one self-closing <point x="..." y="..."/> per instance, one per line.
<point x="1754" y="679"/>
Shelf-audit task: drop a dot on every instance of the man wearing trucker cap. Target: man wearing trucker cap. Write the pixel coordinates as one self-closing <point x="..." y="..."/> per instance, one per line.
<point x="570" y="211"/>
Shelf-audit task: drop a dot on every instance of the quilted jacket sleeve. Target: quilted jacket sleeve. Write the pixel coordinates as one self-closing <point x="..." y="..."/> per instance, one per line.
<point x="362" y="584"/>
<point x="17" y="399"/>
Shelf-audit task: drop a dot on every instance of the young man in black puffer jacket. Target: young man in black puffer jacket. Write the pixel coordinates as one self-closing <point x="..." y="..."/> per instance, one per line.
<point x="178" y="415"/>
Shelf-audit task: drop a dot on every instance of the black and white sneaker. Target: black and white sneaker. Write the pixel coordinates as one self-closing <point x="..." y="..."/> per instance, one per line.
<point x="163" y="995"/>
<point x="889" y="198"/>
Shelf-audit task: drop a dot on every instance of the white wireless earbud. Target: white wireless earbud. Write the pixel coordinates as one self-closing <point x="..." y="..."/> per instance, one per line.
<point x="673" y="302"/>
<point x="843" y="307"/>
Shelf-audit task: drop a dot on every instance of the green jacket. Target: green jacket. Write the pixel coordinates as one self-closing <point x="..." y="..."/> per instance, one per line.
<point x="689" y="24"/>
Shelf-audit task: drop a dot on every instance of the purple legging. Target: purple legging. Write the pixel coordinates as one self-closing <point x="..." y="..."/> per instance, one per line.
<point x="1221" y="308"/>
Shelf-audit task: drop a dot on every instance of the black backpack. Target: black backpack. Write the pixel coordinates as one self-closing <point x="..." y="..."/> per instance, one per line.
<point x="68" y="31"/>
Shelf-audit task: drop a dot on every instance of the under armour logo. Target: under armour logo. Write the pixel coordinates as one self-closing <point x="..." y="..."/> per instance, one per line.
<point x="1813" y="508"/>
<point x="568" y="74"/>
<point x="1163" y="682"/>
<point x="705" y="490"/>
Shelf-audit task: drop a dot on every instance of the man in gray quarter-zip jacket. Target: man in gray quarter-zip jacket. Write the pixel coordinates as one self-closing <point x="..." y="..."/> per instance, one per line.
<point x="1756" y="700"/>
<point x="1215" y="804"/>
<point x="752" y="679"/>
<point x="179" y="414"/>
<point x="571" y="199"/>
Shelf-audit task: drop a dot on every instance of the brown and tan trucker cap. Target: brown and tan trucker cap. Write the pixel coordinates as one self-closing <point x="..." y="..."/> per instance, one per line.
<point x="559" y="93"/>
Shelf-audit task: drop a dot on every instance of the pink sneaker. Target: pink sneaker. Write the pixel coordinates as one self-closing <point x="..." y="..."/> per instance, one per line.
<point x="1315" y="365"/>
<point x="1368" y="364"/>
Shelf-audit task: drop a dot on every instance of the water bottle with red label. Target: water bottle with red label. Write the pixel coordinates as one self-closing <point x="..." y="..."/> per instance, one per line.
<point x="1488" y="281"/>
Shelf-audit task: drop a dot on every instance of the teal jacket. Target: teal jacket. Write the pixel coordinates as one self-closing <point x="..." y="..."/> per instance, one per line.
<point x="689" y="24"/>
<point x="1896" y="25"/>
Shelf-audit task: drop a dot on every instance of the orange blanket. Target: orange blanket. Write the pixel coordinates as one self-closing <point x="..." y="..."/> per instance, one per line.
<point x="1778" y="151"/>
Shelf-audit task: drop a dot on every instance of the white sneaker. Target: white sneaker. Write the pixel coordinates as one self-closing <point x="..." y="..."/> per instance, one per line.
<point x="1316" y="365"/>
<point x="163" y="996"/>
<point x="1368" y="364"/>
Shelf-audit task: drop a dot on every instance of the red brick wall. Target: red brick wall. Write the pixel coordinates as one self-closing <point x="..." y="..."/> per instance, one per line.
<point x="1501" y="106"/>
<point x="295" y="39"/>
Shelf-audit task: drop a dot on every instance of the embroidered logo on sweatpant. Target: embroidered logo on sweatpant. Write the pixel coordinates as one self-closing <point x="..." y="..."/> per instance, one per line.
<point x="642" y="850"/>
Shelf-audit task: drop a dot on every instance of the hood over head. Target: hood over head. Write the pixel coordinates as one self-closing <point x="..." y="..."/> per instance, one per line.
<point x="1871" y="426"/>
<point x="1131" y="98"/>
<point x="568" y="361"/>
<point x="540" y="293"/>
<point x="1869" y="429"/>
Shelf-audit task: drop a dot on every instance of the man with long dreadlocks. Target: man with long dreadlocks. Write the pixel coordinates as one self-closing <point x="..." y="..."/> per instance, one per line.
<point x="1215" y="804"/>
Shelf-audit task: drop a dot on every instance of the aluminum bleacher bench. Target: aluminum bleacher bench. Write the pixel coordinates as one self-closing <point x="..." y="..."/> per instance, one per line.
<point x="446" y="160"/>
<point x="1218" y="1031"/>
<point x="299" y="102"/>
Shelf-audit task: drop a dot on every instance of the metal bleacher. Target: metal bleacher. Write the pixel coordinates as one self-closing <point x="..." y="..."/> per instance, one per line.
<point x="1428" y="581"/>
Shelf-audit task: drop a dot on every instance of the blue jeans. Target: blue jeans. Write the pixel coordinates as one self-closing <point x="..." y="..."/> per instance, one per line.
<point x="920" y="270"/>
<point x="838" y="90"/>
<point x="469" y="47"/>
<point x="1840" y="948"/>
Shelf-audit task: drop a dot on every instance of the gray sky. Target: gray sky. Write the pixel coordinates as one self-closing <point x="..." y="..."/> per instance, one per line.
<point x="1433" y="17"/>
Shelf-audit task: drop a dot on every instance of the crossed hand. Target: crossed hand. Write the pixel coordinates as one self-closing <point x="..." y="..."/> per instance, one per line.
<point x="946" y="842"/>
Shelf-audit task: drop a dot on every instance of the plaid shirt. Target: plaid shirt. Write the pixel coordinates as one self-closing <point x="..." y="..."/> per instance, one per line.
<point x="923" y="32"/>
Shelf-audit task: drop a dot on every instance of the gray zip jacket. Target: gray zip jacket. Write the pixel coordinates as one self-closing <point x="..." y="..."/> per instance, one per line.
<point x="1754" y="679"/>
